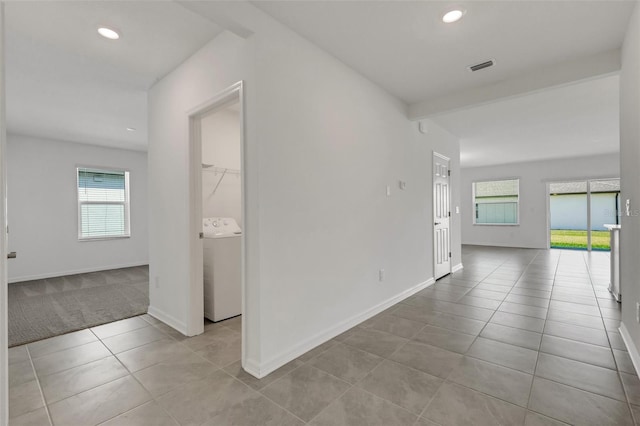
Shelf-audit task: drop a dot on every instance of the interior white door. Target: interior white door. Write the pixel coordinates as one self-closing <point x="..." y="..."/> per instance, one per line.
<point x="441" y="216"/>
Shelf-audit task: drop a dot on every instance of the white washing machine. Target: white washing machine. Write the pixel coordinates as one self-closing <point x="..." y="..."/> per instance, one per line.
<point x="222" y="268"/>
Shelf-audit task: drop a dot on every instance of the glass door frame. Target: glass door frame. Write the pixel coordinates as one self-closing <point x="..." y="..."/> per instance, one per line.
<point x="588" y="181"/>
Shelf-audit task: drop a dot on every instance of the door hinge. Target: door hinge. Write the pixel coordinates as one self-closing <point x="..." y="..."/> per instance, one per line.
<point x="449" y="214"/>
<point x="448" y="172"/>
<point x="449" y="254"/>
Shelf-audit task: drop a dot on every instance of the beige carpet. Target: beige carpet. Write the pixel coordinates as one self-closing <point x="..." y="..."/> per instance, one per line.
<point x="45" y="308"/>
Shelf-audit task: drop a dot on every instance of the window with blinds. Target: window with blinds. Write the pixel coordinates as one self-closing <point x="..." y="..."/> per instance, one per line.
<point x="496" y="202"/>
<point x="103" y="203"/>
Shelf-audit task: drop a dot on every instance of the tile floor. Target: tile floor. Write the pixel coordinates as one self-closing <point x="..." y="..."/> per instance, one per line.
<point x="516" y="337"/>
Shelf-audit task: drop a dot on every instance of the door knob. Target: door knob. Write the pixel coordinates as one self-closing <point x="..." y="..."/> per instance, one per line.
<point x="12" y="255"/>
<point x="437" y="223"/>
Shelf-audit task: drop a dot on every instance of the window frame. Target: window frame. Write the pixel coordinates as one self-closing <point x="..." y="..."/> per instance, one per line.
<point x="473" y="202"/>
<point x="126" y="203"/>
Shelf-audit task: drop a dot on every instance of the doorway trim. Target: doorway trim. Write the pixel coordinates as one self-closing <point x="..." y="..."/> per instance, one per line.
<point x="195" y="299"/>
<point x="4" y="299"/>
<point x="433" y="231"/>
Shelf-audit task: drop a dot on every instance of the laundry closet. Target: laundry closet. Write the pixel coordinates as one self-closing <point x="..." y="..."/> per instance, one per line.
<point x="222" y="212"/>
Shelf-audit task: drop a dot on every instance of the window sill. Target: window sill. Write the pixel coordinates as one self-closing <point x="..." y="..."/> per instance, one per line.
<point x="117" y="237"/>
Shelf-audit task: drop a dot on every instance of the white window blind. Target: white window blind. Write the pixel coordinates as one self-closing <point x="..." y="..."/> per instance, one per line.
<point x="496" y="202"/>
<point x="103" y="203"/>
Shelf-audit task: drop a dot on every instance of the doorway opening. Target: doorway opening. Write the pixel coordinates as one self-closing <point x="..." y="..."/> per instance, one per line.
<point x="579" y="211"/>
<point x="218" y="214"/>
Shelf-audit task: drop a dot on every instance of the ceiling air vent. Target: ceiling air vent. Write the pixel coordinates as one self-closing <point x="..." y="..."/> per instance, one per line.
<point x="481" y="66"/>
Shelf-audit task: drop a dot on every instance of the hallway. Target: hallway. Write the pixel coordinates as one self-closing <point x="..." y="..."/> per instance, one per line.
<point x="517" y="337"/>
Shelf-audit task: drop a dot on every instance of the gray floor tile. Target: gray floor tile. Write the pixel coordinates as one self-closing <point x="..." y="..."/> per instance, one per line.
<point x="584" y="352"/>
<point x="221" y="400"/>
<point x="458" y="405"/>
<point x="535" y="419"/>
<point x="430" y="359"/>
<point x="99" y="404"/>
<point x="611" y="313"/>
<point x="513" y="336"/>
<point x="69" y="358"/>
<point x="346" y="362"/>
<point x="456" y="323"/>
<point x="576" y="406"/>
<point x="38" y="417"/>
<point x="173" y="372"/>
<point x="18" y="354"/>
<point x="210" y="336"/>
<point x="238" y="372"/>
<point x="515" y="357"/>
<point x="575" y="332"/>
<point x="479" y="302"/>
<point x="504" y="383"/>
<point x="151" y="353"/>
<point x="530" y="311"/>
<point x="414" y="313"/>
<point x="487" y="294"/>
<point x="223" y="350"/>
<point x="531" y="292"/>
<point x="575" y="307"/>
<point x="527" y="300"/>
<point x="306" y="391"/>
<point x="404" y="386"/>
<point x="584" y="300"/>
<point x="623" y="361"/>
<point x="576" y="319"/>
<point x="66" y="383"/>
<point x="446" y="339"/>
<point x="493" y="287"/>
<point x="21" y="372"/>
<point x="518" y="321"/>
<point x="119" y="327"/>
<point x="374" y="341"/>
<point x="149" y="414"/>
<point x="58" y="343"/>
<point x="150" y="319"/>
<point x="396" y="325"/>
<point x="615" y="339"/>
<point x="171" y="332"/>
<point x="583" y="376"/>
<point x="324" y="347"/>
<point x="631" y="385"/>
<point x="356" y="408"/>
<point x="133" y="339"/>
<point x="635" y="411"/>
<point x="24" y="398"/>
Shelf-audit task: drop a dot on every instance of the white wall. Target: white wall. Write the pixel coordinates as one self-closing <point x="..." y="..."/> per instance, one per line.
<point x="322" y="143"/>
<point x="43" y="209"/>
<point x="221" y="148"/>
<point x="534" y="176"/>
<point x="630" y="167"/>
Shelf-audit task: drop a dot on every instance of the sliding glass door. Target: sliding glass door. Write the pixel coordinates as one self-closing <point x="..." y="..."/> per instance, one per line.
<point x="580" y="209"/>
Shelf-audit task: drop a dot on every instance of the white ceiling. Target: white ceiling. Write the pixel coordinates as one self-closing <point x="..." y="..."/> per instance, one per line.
<point x="576" y="120"/>
<point x="66" y="82"/>
<point x="406" y="48"/>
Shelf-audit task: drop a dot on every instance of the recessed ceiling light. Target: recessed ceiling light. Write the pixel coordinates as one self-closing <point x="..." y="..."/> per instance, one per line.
<point x="108" y="33"/>
<point x="131" y="129"/>
<point x="452" y="16"/>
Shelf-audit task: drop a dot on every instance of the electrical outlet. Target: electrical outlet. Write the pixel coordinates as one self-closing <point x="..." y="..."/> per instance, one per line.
<point x="157" y="280"/>
<point x="638" y="312"/>
<point x="381" y="275"/>
<point x="402" y="185"/>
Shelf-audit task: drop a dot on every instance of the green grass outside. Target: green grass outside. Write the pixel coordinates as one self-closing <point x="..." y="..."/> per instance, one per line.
<point x="561" y="238"/>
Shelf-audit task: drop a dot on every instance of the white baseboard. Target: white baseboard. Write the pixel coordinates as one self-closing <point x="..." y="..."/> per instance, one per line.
<point x="631" y="348"/>
<point x="261" y="370"/>
<point x="74" y="272"/>
<point x="456" y="268"/>
<point x="167" y="319"/>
